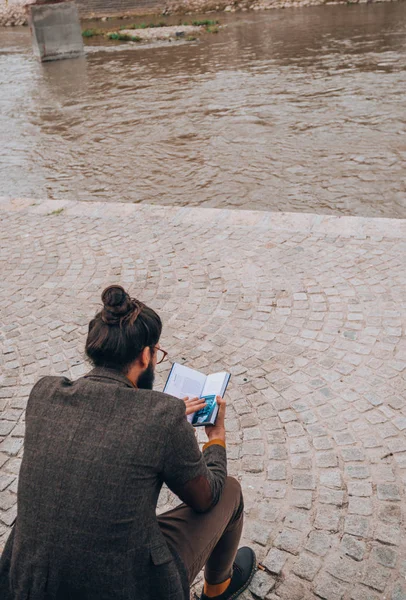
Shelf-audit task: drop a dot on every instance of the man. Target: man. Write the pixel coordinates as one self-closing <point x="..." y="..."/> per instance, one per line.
<point x="97" y="451"/>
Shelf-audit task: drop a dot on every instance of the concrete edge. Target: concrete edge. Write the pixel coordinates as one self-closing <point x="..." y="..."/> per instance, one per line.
<point x="342" y="226"/>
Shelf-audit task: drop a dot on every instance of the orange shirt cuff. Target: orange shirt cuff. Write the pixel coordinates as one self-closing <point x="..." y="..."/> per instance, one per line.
<point x="214" y="443"/>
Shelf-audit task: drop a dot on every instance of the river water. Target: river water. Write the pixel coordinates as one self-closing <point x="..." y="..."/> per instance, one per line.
<point x="284" y="110"/>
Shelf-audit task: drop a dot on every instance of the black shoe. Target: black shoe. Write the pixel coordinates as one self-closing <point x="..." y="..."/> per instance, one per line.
<point x="243" y="571"/>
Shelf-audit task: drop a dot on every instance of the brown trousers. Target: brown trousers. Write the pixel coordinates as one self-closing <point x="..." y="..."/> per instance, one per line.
<point x="208" y="539"/>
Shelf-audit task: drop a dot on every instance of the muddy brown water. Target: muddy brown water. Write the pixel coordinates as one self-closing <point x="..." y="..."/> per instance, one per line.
<point x="284" y="110"/>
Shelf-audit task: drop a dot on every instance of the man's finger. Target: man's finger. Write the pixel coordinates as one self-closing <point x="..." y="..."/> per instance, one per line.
<point x="221" y="402"/>
<point x="194" y="407"/>
<point x="222" y="406"/>
<point x="196" y="400"/>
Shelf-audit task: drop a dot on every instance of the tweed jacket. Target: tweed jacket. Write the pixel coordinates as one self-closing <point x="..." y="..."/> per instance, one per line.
<point x="97" y="451"/>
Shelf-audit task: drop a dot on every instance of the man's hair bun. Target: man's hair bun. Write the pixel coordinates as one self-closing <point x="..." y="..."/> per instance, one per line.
<point x="121" y="330"/>
<point x="117" y="305"/>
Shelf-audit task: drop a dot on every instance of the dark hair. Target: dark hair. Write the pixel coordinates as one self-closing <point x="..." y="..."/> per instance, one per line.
<point x="121" y="330"/>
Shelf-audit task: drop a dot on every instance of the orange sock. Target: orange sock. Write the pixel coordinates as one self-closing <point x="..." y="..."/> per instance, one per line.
<point x="211" y="591"/>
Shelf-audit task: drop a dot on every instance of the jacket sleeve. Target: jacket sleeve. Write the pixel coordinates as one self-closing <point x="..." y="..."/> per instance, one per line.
<point x="196" y="478"/>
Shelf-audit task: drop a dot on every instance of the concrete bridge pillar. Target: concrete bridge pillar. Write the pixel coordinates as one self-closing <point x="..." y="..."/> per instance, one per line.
<point x="55" y="30"/>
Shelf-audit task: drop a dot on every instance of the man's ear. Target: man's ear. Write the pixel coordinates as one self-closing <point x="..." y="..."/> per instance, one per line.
<point x="145" y="358"/>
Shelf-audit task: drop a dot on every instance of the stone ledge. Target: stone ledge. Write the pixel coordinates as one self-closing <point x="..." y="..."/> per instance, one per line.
<point x="342" y="226"/>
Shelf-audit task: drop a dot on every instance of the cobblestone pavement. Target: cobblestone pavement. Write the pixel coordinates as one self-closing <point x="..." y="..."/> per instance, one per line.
<point x="308" y="314"/>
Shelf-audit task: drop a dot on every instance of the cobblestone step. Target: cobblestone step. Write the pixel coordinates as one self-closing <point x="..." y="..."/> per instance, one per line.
<point x="308" y="314"/>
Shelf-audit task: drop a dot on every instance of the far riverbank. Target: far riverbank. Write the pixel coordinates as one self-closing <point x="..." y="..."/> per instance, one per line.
<point x="13" y="13"/>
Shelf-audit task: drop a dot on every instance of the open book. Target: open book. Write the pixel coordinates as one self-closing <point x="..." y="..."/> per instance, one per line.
<point x="183" y="381"/>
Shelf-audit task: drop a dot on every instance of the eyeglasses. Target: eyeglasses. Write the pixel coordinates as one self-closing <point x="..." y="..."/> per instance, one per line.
<point x="160" y="355"/>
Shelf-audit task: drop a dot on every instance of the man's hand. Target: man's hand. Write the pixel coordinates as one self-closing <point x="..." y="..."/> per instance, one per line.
<point x="193" y="405"/>
<point x="218" y="431"/>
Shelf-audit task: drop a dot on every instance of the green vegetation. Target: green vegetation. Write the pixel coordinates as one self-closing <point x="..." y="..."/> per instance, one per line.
<point x="144" y="25"/>
<point x="124" y="37"/>
<point x="88" y="33"/>
<point x="58" y="211"/>
<point x="209" y="25"/>
<point x="204" y="23"/>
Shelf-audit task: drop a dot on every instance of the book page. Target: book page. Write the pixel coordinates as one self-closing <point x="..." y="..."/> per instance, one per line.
<point x="183" y="381"/>
<point x="215" y="384"/>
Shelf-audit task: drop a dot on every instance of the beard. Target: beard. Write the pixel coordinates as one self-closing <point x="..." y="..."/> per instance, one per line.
<point x="146" y="379"/>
